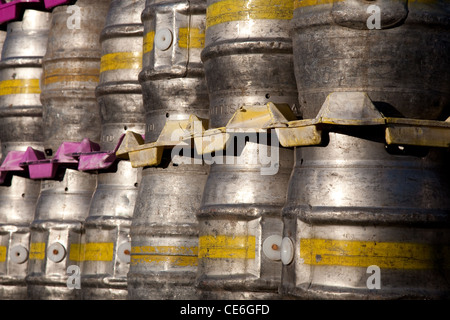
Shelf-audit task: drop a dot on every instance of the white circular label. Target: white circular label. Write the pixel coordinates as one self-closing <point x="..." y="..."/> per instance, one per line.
<point x="272" y="247"/>
<point x="56" y="252"/>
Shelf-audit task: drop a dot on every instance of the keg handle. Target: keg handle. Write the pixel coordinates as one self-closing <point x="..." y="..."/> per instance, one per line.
<point x="369" y="14"/>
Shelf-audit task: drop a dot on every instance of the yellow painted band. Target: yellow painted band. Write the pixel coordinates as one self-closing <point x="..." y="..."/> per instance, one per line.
<point x="71" y="75"/>
<point x="37" y="251"/>
<point x="308" y="3"/>
<point x="178" y="256"/>
<point x="22" y="86"/>
<point x="94" y="251"/>
<point x="121" y="60"/>
<point x="80" y="78"/>
<point x="244" y="10"/>
<point x="149" y="39"/>
<point x="2" y="254"/>
<point x="388" y="255"/>
<point x="227" y="247"/>
<point x="178" y="261"/>
<point x="165" y="250"/>
<point x="191" y="38"/>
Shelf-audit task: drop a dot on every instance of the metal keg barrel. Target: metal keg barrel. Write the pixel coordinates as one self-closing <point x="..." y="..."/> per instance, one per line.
<point x="164" y="230"/>
<point x="56" y="234"/>
<point x="364" y="219"/>
<point x="119" y="95"/>
<point x="20" y="127"/>
<point x="403" y="66"/>
<point x="71" y="74"/>
<point x="248" y="62"/>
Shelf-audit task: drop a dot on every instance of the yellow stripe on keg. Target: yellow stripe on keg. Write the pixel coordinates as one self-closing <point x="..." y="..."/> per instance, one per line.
<point x="242" y="10"/>
<point x="176" y="250"/>
<point x="2" y="254"/>
<point x="94" y="251"/>
<point x="149" y="39"/>
<point x="308" y="3"/>
<point x="191" y="38"/>
<point x="71" y="75"/>
<point x="121" y="60"/>
<point x="19" y="86"/>
<point x="37" y="251"/>
<point x="173" y="255"/>
<point x="389" y="255"/>
<point x="227" y="247"/>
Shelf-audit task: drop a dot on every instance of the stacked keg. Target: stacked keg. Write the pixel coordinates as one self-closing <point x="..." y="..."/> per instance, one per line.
<point x="71" y="113"/>
<point x="119" y="96"/>
<point x="20" y="127"/>
<point x="164" y="231"/>
<point x="248" y="63"/>
<point x="364" y="219"/>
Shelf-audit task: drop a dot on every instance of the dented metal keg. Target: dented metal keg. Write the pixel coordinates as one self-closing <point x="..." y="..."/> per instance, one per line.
<point x="56" y="235"/>
<point x="366" y="219"/>
<point x="363" y="219"/>
<point x="21" y="71"/>
<point x="248" y="63"/>
<point x="164" y="231"/>
<point x="71" y="74"/>
<point x="119" y="95"/>
<point x="395" y="51"/>
<point x="71" y="114"/>
<point x="20" y="127"/>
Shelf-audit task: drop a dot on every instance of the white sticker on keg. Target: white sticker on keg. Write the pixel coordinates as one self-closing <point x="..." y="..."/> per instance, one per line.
<point x="56" y="252"/>
<point x="19" y="254"/>
<point x="124" y="252"/>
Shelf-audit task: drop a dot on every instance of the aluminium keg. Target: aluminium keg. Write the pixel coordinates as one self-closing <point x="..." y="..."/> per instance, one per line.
<point x="363" y="219"/>
<point x="164" y="230"/>
<point x="355" y="205"/>
<point x="71" y="73"/>
<point x="56" y="234"/>
<point x="248" y="62"/>
<point x="401" y="62"/>
<point x="20" y="126"/>
<point x="119" y="95"/>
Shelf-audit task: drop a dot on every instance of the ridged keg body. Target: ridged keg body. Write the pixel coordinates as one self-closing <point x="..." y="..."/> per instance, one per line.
<point x="71" y="75"/>
<point x="164" y="231"/>
<point x="20" y="127"/>
<point x="403" y="66"/>
<point x="353" y="204"/>
<point x="119" y="95"/>
<point x="248" y="62"/>
<point x="368" y="220"/>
